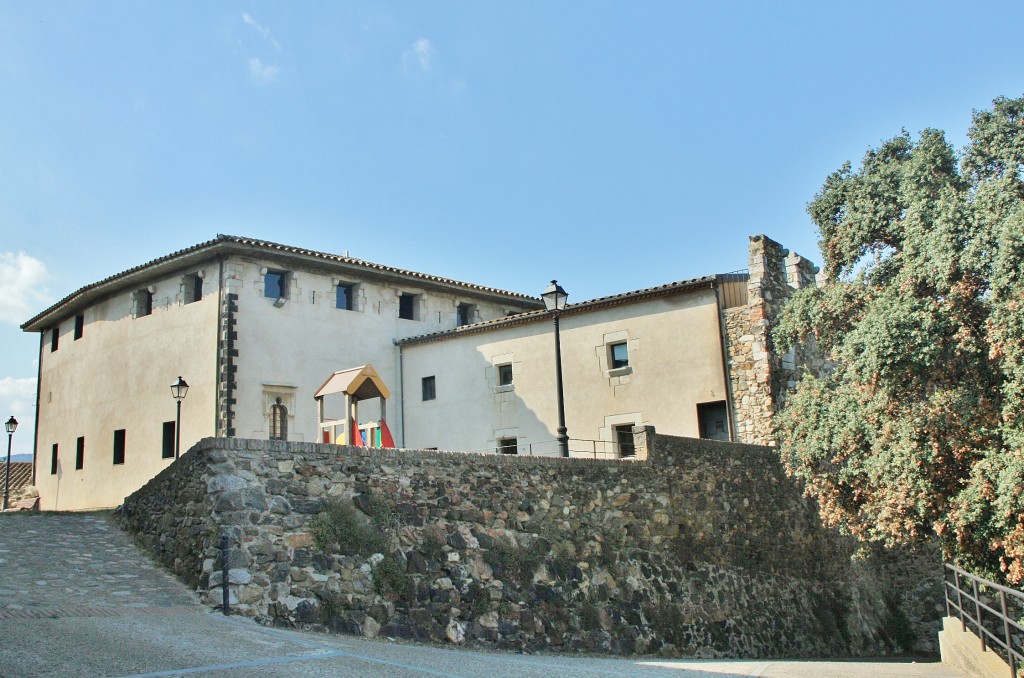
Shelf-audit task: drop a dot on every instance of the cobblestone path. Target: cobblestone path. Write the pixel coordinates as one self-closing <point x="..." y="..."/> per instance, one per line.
<point x="54" y="565"/>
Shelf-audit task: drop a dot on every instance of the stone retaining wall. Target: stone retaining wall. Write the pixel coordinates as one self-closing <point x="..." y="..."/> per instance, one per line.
<point x="705" y="549"/>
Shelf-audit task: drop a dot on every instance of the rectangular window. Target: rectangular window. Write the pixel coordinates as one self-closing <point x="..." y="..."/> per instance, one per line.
<point x="143" y="303"/>
<point x="119" y="446"/>
<point x="508" y="445"/>
<point x="168" y="448"/>
<point x="714" y="420"/>
<point x="275" y="284"/>
<point x="54" y="339"/>
<point x="505" y="375"/>
<point x="624" y="440"/>
<point x="619" y="355"/>
<point x="80" y="454"/>
<point x="464" y="314"/>
<point x="429" y="388"/>
<point x="53" y="460"/>
<point x="407" y="306"/>
<point x="79" y="326"/>
<point x="343" y="296"/>
<point x="193" y="288"/>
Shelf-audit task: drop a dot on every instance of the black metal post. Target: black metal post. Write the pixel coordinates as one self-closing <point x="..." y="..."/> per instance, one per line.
<point x="977" y="611"/>
<point x="1010" y="659"/>
<point x="225" y="604"/>
<point x="177" y="431"/>
<point x="960" y="601"/>
<point x="7" y="475"/>
<point x="563" y="438"/>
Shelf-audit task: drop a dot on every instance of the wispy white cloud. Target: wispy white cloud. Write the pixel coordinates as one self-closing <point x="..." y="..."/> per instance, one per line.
<point x="18" y="399"/>
<point x="261" y="73"/>
<point x="265" y="32"/>
<point x="420" y="55"/>
<point x="22" y="287"/>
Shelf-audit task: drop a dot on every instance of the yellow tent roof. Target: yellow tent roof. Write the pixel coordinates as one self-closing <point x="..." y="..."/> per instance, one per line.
<point x="359" y="382"/>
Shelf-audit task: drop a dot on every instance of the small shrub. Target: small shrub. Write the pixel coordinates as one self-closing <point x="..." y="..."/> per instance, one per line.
<point x="517" y="564"/>
<point x="432" y="546"/>
<point x="590" y="618"/>
<point x="338" y="525"/>
<point x="390" y="579"/>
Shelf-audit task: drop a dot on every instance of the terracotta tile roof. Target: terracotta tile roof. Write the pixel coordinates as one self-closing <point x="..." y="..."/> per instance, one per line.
<point x="240" y="244"/>
<point x="593" y="304"/>
<point x="21" y="475"/>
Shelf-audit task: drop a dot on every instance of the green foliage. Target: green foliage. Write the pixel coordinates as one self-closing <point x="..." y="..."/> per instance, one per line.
<point x="516" y="562"/>
<point x="918" y="428"/>
<point x="389" y="578"/>
<point x="590" y="618"/>
<point x="337" y="529"/>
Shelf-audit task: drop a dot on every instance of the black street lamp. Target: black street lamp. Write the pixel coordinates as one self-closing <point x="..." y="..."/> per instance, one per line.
<point x="11" y="426"/>
<point x="178" y="390"/>
<point x="554" y="299"/>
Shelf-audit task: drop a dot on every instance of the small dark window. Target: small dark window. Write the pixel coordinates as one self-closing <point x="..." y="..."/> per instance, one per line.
<point x="429" y="388"/>
<point x="54" y="339"/>
<point x="620" y="355"/>
<point x="407" y="306"/>
<point x="119" y="436"/>
<point x="624" y="440"/>
<point x="275" y="285"/>
<point x="713" y="420"/>
<point x="343" y="296"/>
<point x="168" y="447"/>
<point x="193" y="288"/>
<point x="508" y="445"/>
<point x="80" y="454"/>
<point x="464" y="314"/>
<point x="53" y="460"/>
<point x="79" y="326"/>
<point x="278" y="421"/>
<point x="505" y="375"/>
<point x="143" y="303"/>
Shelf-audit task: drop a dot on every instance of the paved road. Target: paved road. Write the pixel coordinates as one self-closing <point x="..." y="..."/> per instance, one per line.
<point x="78" y="599"/>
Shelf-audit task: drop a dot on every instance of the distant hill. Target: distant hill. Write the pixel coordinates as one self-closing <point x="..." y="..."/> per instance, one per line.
<point x="17" y="457"/>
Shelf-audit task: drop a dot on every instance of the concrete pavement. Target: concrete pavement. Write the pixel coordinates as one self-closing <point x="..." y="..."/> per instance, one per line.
<point x="77" y="598"/>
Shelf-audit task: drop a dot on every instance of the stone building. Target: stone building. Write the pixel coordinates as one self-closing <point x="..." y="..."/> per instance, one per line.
<point x="256" y="327"/>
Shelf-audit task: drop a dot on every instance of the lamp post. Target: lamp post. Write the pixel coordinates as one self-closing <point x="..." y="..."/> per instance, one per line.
<point x="11" y="426"/>
<point x="178" y="390"/>
<point x="554" y="300"/>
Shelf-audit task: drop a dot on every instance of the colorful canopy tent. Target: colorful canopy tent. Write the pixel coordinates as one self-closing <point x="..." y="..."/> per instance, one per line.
<point x="355" y="384"/>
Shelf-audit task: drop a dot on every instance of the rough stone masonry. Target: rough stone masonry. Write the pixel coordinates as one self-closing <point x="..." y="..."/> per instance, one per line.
<point x="702" y="549"/>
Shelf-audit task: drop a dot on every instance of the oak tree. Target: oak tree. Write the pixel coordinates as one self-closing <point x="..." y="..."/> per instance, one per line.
<point x="915" y="429"/>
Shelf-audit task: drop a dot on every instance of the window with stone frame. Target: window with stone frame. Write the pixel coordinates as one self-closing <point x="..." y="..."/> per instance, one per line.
<point x="278" y="421"/>
<point x="275" y="284"/>
<point x="618" y="355"/>
<point x="407" y="306"/>
<point x="505" y="375"/>
<point x="343" y="296"/>
<point x="143" y="303"/>
<point x="508" y="445"/>
<point x="193" y="287"/>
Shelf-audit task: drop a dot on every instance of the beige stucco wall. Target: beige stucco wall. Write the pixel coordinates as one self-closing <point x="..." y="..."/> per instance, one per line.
<point x="674" y="358"/>
<point x="118" y="376"/>
<point x="288" y="351"/>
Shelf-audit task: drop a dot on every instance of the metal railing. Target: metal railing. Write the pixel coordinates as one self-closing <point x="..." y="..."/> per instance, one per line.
<point x="578" y="447"/>
<point x="973" y="606"/>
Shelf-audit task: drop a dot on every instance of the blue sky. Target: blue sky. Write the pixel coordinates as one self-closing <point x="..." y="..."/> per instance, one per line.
<point x="611" y="145"/>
